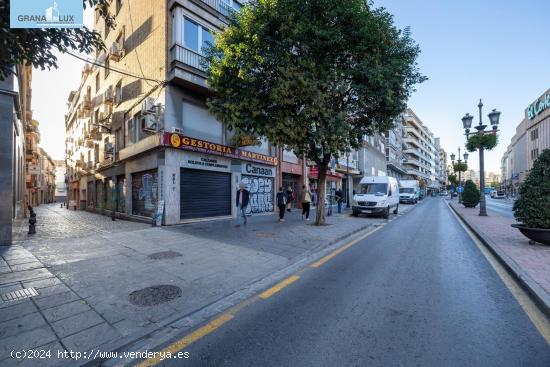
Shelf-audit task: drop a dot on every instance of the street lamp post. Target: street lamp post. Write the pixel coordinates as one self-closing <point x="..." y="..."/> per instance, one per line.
<point x="467" y="123"/>
<point x="459" y="161"/>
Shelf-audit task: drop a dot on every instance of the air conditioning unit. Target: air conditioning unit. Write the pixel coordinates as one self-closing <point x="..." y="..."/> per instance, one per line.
<point x="148" y="105"/>
<point x="108" y="95"/>
<point x="148" y="123"/>
<point x="116" y="52"/>
<point x="177" y="130"/>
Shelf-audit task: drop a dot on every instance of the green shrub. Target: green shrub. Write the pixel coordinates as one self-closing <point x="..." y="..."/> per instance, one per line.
<point x="533" y="204"/>
<point x="470" y="196"/>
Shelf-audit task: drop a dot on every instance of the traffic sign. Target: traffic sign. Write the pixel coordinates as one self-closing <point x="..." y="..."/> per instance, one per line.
<point x="460" y="189"/>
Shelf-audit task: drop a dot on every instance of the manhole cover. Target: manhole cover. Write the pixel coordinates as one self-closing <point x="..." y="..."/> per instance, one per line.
<point x="164" y="255"/>
<point x="155" y="295"/>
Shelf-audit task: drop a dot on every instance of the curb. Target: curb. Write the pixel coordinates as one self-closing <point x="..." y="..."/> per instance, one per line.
<point x="535" y="291"/>
<point x="165" y="330"/>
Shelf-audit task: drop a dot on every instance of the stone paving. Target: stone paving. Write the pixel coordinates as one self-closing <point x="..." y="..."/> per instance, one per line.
<point x="84" y="267"/>
<point x="533" y="259"/>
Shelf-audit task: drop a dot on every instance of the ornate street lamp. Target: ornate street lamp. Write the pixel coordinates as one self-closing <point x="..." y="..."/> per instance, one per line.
<point x="460" y="169"/>
<point x="481" y="140"/>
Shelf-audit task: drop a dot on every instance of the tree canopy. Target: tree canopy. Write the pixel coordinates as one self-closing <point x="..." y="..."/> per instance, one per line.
<point x="312" y="76"/>
<point x="36" y="46"/>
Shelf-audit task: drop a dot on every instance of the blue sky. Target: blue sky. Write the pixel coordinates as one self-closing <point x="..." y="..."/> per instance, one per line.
<point x="491" y="49"/>
<point x="496" y="50"/>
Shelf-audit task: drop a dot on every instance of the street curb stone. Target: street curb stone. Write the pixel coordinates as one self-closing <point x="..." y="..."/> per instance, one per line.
<point x="175" y="324"/>
<point x="535" y="291"/>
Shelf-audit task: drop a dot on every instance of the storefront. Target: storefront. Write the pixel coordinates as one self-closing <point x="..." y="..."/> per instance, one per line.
<point x="205" y="186"/>
<point x="144" y="193"/>
<point x="260" y="182"/>
<point x="333" y="182"/>
<point x="210" y="174"/>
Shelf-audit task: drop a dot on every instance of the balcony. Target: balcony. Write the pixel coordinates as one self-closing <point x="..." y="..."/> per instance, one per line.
<point x="187" y="57"/>
<point x="188" y="68"/>
<point x="219" y="5"/>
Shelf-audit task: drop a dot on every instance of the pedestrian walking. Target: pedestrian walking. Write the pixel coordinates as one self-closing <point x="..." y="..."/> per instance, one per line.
<point x="305" y="199"/>
<point x="282" y="201"/>
<point x="290" y="198"/>
<point x="241" y="202"/>
<point x="339" y="199"/>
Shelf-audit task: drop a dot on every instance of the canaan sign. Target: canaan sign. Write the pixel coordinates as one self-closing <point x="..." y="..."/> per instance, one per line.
<point x="183" y="142"/>
<point x="538" y="107"/>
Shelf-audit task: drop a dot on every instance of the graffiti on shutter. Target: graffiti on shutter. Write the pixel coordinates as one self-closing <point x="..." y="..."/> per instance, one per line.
<point x="144" y="193"/>
<point x="261" y="194"/>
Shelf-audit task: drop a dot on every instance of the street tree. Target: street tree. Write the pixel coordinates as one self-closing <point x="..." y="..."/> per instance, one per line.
<point x="37" y="46"/>
<point x="314" y="77"/>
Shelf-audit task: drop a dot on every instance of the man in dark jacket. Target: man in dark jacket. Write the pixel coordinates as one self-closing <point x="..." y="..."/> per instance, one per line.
<point x="282" y="200"/>
<point x="241" y="202"/>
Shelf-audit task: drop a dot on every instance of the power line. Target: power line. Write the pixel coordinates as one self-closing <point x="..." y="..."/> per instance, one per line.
<point x="115" y="70"/>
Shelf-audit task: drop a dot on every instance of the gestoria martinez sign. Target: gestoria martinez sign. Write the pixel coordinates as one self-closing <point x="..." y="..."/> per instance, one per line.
<point x="183" y="142"/>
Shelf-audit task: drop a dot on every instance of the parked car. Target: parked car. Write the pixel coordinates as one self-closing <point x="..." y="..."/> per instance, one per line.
<point x="444" y="193"/>
<point x="493" y="193"/>
<point x="500" y="195"/>
<point x="376" y="195"/>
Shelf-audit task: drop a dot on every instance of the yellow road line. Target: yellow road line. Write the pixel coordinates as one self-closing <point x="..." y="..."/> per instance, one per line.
<point x="323" y="260"/>
<point x="536" y="316"/>
<point x="277" y="287"/>
<point x="188" y="339"/>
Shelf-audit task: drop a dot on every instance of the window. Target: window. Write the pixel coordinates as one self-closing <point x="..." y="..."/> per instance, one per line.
<point x="191" y="35"/>
<point x="195" y="35"/>
<point x="107" y="66"/>
<point x="97" y="85"/>
<point x="130" y="132"/>
<point x="118" y="92"/>
<point x="119" y="143"/>
<point x="535" y="134"/>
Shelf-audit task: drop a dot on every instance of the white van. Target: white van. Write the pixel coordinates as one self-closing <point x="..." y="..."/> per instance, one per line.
<point x="409" y="191"/>
<point x="376" y="195"/>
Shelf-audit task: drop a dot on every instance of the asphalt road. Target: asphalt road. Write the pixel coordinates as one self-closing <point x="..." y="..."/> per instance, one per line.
<point x="418" y="292"/>
<point x="500" y="206"/>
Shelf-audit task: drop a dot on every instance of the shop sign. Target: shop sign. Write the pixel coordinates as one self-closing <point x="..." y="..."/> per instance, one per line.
<point x="199" y="161"/>
<point x="179" y="141"/>
<point x="538" y="107"/>
<point x="314" y="173"/>
<point x="255" y="170"/>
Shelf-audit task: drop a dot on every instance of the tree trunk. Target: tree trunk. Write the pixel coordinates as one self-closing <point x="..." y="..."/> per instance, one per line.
<point x="321" y="184"/>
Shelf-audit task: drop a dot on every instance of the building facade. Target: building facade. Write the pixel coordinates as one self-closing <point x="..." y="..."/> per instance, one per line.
<point x="514" y="163"/>
<point x="46" y="178"/>
<point x="419" y="153"/>
<point x="395" y="147"/>
<point x="14" y="95"/>
<point x="60" y="184"/>
<point x="144" y="144"/>
<point x="443" y="169"/>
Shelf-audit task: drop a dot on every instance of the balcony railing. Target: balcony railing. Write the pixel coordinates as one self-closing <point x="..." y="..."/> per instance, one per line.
<point x="220" y="5"/>
<point x="187" y="57"/>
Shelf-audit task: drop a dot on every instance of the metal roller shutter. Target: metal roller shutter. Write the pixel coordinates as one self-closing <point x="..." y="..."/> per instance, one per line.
<point x="204" y="193"/>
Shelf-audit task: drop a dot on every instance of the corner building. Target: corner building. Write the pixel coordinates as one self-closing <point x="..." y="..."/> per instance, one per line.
<point x="146" y="144"/>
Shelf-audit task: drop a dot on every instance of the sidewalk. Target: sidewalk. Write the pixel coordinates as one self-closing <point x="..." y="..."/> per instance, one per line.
<point x="87" y="270"/>
<point x="530" y="264"/>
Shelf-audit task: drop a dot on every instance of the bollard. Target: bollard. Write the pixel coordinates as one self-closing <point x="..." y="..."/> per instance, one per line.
<point x="61" y="205"/>
<point x="113" y="215"/>
<point x="32" y="221"/>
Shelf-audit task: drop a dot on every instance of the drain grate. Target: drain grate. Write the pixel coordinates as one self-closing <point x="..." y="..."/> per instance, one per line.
<point x="155" y="295"/>
<point x="18" y="295"/>
<point x="164" y="255"/>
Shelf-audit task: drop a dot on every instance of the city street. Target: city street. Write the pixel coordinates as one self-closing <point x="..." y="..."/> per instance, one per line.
<point x="417" y="292"/>
<point x="500" y="206"/>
